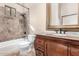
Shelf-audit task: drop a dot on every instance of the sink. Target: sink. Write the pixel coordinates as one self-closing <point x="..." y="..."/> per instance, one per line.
<point x="54" y="34"/>
<point x="60" y="34"/>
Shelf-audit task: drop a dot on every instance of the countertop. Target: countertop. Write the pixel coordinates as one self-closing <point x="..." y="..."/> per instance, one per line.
<point x="65" y="36"/>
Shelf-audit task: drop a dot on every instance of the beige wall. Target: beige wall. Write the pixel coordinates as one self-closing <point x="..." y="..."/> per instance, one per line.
<point x="37" y="17"/>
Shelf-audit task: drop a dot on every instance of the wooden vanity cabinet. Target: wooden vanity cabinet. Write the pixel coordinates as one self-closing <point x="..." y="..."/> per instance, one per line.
<point x="53" y="46"/>
<point x="56" y="48"/>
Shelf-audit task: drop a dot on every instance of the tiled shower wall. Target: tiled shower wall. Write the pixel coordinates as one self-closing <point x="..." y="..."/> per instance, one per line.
<point x="10" y="26"/>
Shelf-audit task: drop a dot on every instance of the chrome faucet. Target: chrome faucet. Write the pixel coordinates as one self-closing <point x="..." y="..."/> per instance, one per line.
<point x="60" y="31"/>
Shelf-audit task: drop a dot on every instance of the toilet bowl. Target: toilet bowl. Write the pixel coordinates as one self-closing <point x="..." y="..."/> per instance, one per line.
<point x="23" y="45"/>
<point x="26" y="43"/>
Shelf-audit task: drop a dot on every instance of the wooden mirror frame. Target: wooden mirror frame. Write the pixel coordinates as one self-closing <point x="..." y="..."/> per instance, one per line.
<point x="48" y="12"/>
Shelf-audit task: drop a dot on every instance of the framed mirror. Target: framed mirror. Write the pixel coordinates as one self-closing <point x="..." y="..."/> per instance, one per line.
<point x="62" y="15"/>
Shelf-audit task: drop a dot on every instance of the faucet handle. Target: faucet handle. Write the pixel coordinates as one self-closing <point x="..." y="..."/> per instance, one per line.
<point x="56" y="31"/>
<point x="64" y="31"/>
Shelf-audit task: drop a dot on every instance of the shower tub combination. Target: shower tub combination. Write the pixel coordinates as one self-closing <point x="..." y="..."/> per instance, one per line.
<point x="18" y="47"/>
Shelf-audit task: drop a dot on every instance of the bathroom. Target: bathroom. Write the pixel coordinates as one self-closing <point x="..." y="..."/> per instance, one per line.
<point x="30" y="25"/>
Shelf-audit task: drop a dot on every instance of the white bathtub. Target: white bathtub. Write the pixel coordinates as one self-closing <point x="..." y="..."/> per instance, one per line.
<point x="17" y="41"/>
<point x="11" y="42"/>
<point x="20" y="43"/>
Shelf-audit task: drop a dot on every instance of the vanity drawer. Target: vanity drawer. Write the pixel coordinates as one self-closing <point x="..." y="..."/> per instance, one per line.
<point x="39" y="53"/>
<point x="40" y="42"/>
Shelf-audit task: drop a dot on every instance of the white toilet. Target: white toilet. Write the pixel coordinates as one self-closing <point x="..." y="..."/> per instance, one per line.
<point x="26" y="44"/>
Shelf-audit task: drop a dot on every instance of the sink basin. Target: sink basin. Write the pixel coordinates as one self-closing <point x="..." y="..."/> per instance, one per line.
<point x="60" y="34"/>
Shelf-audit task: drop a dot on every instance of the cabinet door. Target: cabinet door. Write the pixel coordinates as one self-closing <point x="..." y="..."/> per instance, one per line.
<point x="56" y="49"/>
<point x="74" y="50"/>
